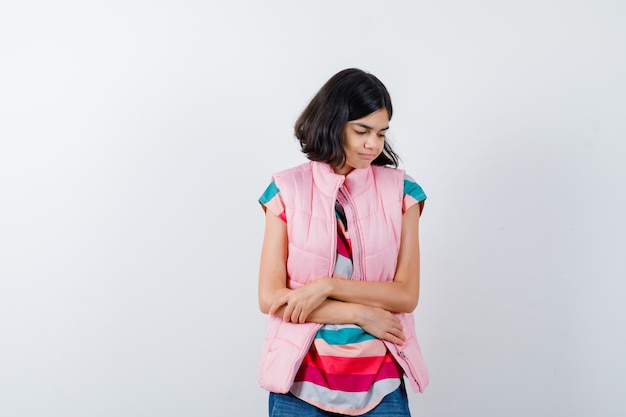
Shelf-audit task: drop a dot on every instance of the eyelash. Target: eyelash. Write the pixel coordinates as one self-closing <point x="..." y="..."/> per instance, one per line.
<point x="360" y="133"/>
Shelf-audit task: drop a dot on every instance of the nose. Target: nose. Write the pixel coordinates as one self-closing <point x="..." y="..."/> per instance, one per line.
<point x="371" y="140"/>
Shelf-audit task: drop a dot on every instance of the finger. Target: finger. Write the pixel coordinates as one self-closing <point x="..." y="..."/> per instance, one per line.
<point x="295" y="315"/>
<point x="302" y="318"/>
<point x="401" y="337"/>
<point x="397" y="325"/>
<point x="396" y="322"/>
<point x="287" y="313"/>
<point x="274" y="308"/>
<point x="396" y="340"/>
<point x="304" y="313"/>
<point x="390" y="338"/>
<point x="398" y="333"/>
<point x="276" y="305"/>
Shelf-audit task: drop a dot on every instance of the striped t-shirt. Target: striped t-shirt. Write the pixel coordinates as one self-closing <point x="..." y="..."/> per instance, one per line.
<point x="346" y="370"/>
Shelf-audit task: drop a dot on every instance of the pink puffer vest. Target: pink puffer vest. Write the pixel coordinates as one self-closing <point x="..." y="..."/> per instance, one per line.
<point x="373" y="199"/>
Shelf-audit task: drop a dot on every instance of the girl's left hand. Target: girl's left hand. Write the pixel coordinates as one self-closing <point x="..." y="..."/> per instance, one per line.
<point x="299" y="303"/>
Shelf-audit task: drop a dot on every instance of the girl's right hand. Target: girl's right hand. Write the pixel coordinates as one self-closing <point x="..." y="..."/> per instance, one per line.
<point x="381" y="324"/>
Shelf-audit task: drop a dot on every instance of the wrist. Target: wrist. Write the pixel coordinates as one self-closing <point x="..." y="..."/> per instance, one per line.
<point x="327" y="286"/>
<point x="358" y="314"/>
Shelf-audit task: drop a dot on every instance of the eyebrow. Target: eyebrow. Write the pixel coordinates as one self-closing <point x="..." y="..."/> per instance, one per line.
<point x="364" y="126"/>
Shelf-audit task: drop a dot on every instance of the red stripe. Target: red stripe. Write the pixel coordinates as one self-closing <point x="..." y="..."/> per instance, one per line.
<point x="348" y="383"/>
<point x="343" y="365"/>
<point x="342" y="250"/>
<point x="343" y="247"/>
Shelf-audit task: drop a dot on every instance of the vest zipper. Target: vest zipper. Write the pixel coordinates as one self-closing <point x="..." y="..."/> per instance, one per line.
<point x="333" y="226"/>
<point x="356" y="238"/>
<point x="408" y="363"/>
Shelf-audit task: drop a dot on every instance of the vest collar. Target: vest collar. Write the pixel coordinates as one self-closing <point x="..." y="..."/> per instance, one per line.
<point x="357" y="181"/>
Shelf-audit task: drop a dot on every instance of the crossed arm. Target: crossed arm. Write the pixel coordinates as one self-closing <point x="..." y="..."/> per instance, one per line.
<point x="339" y="301"/>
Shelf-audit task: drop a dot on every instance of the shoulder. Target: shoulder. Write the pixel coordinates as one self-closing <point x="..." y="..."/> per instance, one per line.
<point x="388" y="171"/>
<point x="291" y="179"/>
<point x="280" y="177"/>
<point x="298" y="170"/>
<point x="390" y="176"/>
<point x="413" y="189"/>
<point x="283" y="187"/>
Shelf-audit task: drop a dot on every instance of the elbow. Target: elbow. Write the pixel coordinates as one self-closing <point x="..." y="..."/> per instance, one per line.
<point x="409" y="303"/>
<point x="408" y="307"/>
<point x="268" y="297"/>
<point x="264" y="304"/>
<point x="263" y="309"/>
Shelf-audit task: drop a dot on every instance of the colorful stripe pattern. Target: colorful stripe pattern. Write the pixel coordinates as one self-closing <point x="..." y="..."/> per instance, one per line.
<point x="413" y="193"/>
<point x="346" y="369"/>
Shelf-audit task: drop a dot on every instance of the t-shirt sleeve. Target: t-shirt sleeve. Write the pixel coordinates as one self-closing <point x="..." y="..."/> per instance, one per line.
<point x="413" y="194"/>
<point x="271" y="200"/>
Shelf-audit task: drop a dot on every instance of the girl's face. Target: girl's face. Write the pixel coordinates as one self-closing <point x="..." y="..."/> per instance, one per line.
<point x="364" y="139"/>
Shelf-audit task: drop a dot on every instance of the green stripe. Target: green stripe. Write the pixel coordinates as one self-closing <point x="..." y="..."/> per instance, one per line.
<point x="270" y="192"/>
<point x="414" y="190"/>
<point x="343" y="336"/>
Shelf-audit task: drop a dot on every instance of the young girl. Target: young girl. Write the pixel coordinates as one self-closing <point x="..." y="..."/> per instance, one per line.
<point x="339" y="271"/>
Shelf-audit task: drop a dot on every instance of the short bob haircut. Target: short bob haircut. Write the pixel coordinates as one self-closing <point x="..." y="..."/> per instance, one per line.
<point x="348" y="95"/>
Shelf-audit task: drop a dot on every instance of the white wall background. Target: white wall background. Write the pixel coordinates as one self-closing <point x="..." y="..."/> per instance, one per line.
<point x="136" y="136"/>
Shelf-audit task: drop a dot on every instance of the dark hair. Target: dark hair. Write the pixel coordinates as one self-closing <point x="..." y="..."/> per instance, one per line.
<point x="348" y="95"/>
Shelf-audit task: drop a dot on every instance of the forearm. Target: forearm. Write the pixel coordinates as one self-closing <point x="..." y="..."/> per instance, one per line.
<point x="397" y="296"/>
<point x="332" y="312"/>
<point x="376" y="321"/>
<point x="400" y="297"/>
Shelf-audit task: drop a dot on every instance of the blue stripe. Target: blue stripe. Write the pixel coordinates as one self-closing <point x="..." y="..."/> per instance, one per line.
<point x="414" y="190"/>
<point x="343" y="336"/>
<point x="270" y="192"/>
